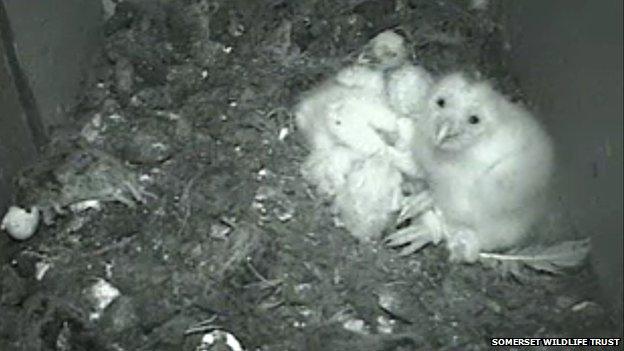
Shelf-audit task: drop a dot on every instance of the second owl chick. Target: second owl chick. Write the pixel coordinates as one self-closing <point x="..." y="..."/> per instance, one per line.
<point x="359" y="144"/>
<point x="488" y="163"/>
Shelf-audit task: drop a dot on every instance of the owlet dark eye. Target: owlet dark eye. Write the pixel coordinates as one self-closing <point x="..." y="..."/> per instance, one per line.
<point x="474" y="119"/>
<point x="441" y="102"/>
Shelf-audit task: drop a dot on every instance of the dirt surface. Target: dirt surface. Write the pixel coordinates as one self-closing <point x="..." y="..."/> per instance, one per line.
<point x="202" y="221"/>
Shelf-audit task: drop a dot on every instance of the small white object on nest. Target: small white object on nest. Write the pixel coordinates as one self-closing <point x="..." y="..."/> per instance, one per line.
<point x="19" y="223"/>
<point x="101" y="294"/>
<point x="219" y="340"/>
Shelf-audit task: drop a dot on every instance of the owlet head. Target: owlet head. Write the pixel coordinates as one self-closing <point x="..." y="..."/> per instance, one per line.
<point x="461" y="112"/>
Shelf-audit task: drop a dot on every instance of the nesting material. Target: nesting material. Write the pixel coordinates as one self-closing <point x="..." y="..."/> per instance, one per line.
<point x="101" y="294"/>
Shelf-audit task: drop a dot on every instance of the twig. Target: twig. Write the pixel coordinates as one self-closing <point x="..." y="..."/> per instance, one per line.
<point x="504" y="257"/>
<point x="116" y="245"/>
<point x="264" y="282"/>
<point x="186" y="202"/>
<point x="202" y="326"/>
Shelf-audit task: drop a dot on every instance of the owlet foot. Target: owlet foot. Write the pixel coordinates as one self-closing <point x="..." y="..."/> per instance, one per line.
<point x="414" y="205"/>
<point x="428" y="229"/>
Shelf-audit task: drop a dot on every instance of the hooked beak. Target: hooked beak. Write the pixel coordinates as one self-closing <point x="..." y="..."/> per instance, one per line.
<point x="384" y="59"/>
<point x="367" y="57"/>
<point x="389" y="137"/>
<point x="443" y="132"/>
<point x="446" y="134"/>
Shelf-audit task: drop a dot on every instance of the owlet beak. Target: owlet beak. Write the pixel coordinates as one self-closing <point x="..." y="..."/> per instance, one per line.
<point x="446" y="132"/>
<point x="389" y="137"/>
<point x="442" y="132"/>
<point x="367" y="57"/>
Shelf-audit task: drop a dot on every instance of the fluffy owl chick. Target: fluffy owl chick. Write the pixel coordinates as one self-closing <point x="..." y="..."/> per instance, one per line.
<point x="354" y="115"/>
<point x="359" y="150"/>
<point x="407" y="89"/>
<point x="360" y="147"/>
<point x="327" y="169"/>
<point x="488" y="163"/>
<point x="356" y="93"/>
<point x="344" y="124"/>
<point x="384" y="51"/>
<point x="370" y="196"/>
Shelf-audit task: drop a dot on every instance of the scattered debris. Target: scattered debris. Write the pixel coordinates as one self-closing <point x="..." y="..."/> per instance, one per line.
<point x="86" y="205"/>
<point x="480" y="5"/>
<point x="219" y="340"/>
<point x="86" y="178"/>
<point x="41" y="268"/>
<point x="108" y="8"/>
<point x="283" y="133"/>
<point x="386" y="325"/>
<point x="220" y="231"/>
<point x="551" y="259"/>
<point x="101" y="294"/>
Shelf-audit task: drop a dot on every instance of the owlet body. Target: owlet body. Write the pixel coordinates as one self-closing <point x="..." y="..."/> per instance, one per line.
<point x="488" y="163"/>
<point x="359" y="146"/>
